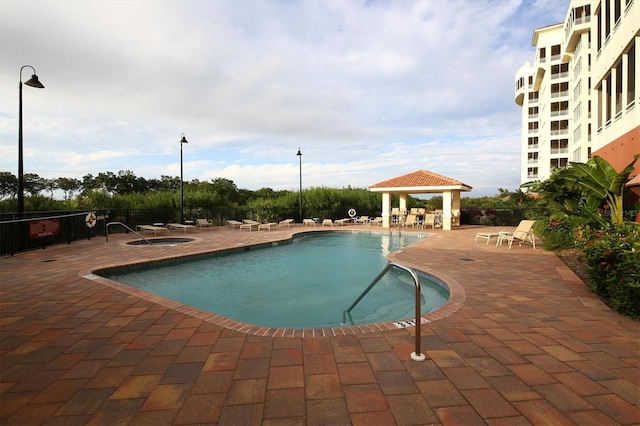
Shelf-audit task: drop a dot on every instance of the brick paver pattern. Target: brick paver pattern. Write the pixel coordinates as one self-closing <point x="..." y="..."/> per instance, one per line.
<point x="527" y="344"/>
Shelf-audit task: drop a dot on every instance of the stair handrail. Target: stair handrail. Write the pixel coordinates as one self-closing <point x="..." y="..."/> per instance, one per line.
<point x="417" y="355"/>
<point x="106" y="231"/>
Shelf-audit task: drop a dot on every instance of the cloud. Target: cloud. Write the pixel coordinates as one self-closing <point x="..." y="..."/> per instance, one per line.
<point x="368" y="90"/>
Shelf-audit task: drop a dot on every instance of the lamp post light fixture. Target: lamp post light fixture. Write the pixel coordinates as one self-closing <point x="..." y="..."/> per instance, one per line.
<point x="33" y="82"/>
<point x="299" y="154"/>
<point x="182" y="141"/>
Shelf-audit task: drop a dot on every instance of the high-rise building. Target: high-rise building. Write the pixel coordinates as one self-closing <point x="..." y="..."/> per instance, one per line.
<point x="579" y="98"/>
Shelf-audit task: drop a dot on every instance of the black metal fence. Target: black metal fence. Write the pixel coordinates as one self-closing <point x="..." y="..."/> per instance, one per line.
<point x="34" y="231"/>
<point x="37" y="230"/>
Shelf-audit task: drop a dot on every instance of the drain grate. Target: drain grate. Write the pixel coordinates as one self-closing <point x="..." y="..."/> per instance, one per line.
<point x="466" y="259"/>
<point x="49" y="260"/>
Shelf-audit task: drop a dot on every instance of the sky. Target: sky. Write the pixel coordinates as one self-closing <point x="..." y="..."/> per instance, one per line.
<point x="368" y="90"/>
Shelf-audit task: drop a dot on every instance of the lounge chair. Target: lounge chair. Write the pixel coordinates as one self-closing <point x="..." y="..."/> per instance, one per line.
<point x="267" y="226"/>
<point x="204" y="223"/>
<point x="376" y="222"/>
<point x="181" y="227"/>
<point x="362" y="220"/>
<point x="327" y="222"/>
<point x="309" y="222"/>
<point x="522" y="234"/>
<point x="152" y="228"/>
<point x="429" y="220"/>
<point x="234" y="223"/>
<point x="286" y="222"/>
<point x="413" y="221"/>
<point x="342" y="222"/>
<point x="249" y="224"/>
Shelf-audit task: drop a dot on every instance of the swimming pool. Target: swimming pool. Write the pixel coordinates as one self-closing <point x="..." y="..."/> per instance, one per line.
<point x="307" y="283"/>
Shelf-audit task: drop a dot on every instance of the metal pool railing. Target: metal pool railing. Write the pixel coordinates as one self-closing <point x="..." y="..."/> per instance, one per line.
<point x="106" y="232"/>
<point x="417" y="355"/>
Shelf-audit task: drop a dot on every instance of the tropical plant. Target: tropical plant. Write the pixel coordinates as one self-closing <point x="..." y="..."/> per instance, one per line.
<point x="588" y="193"/>
<point x="600" y="181"/>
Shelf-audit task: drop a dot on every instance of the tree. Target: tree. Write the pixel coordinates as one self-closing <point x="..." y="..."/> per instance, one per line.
<point x="34" y="184"/>
<point x="225" y="188"/>
<point x="8" y="185"/>
<point x="69" y="186"/>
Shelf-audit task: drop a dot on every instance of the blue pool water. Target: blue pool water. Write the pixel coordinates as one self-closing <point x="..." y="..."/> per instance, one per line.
<point x="307" y="283"/>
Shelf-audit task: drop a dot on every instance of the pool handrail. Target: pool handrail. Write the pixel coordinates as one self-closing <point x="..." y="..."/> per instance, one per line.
<point x="417" y="355"/>
<point x="106" y="231"/>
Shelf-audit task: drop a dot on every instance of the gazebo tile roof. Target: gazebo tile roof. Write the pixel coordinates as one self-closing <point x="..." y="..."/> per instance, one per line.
<point x="420" y="178"/>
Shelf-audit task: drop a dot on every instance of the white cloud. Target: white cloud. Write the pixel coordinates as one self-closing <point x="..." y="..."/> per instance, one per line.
<point x="368" y="90"/>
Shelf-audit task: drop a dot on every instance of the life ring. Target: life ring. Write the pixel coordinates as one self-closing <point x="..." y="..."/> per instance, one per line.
<point x="352" y="212"/>
<point x="90" y="220"/>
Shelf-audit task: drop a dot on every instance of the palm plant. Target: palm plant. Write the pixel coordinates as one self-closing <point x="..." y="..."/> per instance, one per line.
<point x="600" y="183"/>
<point x="582" y="191"/>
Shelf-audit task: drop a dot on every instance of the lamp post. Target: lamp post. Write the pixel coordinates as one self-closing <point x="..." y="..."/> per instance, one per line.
<point x="182" y="141"/>
<point x="299" y="154"/>
<point x="33" y="82"/>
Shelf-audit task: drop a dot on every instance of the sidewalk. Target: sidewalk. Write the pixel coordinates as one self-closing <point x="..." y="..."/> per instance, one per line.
<point x="529" y="344"/>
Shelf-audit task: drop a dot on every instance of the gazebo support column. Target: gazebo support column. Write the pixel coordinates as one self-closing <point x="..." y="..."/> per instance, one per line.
<point x="403" y="203"/>
<point x="386" y="209"/>
<point x="446" y="210"/>
<point x="455" y="205"/>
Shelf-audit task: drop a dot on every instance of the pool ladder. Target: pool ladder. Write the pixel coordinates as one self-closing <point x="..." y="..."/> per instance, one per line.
<point x="106" y="231"/>
<point x="417" y="355"/>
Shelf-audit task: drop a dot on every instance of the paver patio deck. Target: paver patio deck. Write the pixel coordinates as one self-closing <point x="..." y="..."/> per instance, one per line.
<point x="530" y="344"/>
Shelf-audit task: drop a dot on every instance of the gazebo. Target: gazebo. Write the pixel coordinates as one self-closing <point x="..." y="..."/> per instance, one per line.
<point x="421" y="182"/>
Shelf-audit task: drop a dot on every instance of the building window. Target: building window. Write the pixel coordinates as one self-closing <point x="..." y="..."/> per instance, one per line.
<point x="559" y="89"/>
<point x="559" y="146"/>
<point x="608" y="100"/>
<point x="559" y="162"/>
<point x="559" y="127"/>
<point x="532" y="142"/>
<point x="631" y="72"/>
<point x="607" y="19"/>
<point x="619" y="78"/>
<point x="617" y="11"/>
<point x="559" y="108"/>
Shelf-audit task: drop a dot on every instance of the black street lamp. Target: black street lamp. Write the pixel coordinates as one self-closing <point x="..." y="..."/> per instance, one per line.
<point x="182" y="141"/>
<point x="33" y="82"/>
<point x="299" y="154"/>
